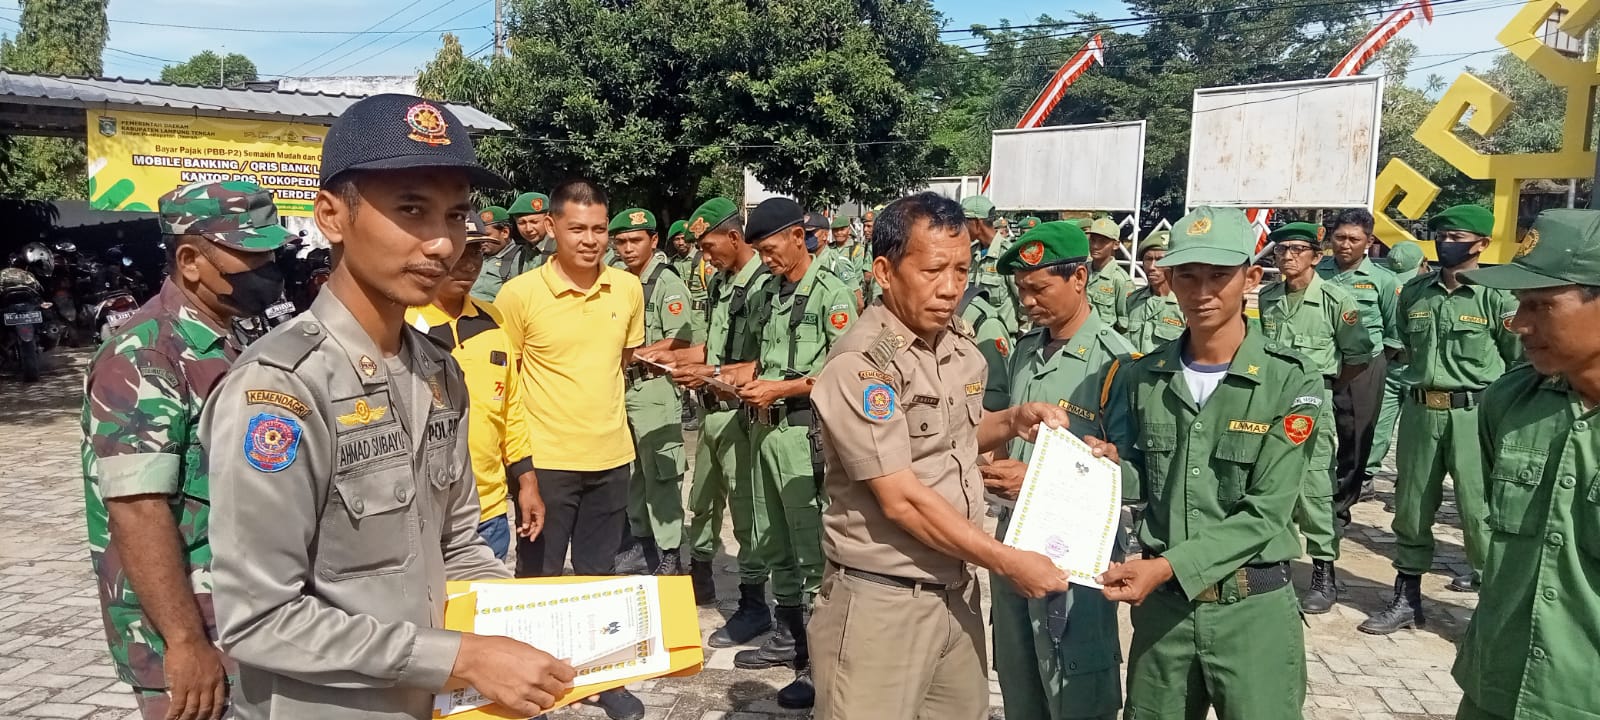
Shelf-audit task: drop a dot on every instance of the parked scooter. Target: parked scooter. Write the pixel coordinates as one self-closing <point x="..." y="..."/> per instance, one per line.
<point x="22" y="309"/>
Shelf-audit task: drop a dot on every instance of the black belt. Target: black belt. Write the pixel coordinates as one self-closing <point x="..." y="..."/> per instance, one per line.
<point x="1446" y="399"/>
<point x="892" y="580"/>
<point x="796" y="410"/>
<point x="1246" y="581"/>
<point x="1327" y="383"/>
<point x="636" y="373"/>
<point x="714" y="403"/>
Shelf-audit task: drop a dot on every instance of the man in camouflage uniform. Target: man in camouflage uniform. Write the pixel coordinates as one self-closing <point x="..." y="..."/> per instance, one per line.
<point x="145" y="483"/>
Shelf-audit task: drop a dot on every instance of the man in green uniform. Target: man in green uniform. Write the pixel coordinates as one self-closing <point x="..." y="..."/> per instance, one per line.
<point x="1355" y="402"/>
<point x="1153" y="315"/>
<point x="1214" y="433"/>
<point x="1057" y="657"/>
<point x="724" y="467"/>
<point x="528" y="248"/>
<point x="987" y="247"/>
<point x="144" y="471"/>
<point x="993" y="340"/>
<point x="1529" y="651"/>
<point x="809" y="310"/>
<point x="655" y="409"/>
<point x="1405" y="260"/>
<point x="1458" y="339"/>
<point x="834" y="259"/>
<point x="1321" y="321"/>
<point x="1109" y="283"/>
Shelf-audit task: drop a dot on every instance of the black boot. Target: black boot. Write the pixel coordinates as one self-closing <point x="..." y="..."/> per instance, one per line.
<point x="631" y="559"/>
<point x="669" y="564"/>
<point x="705" y="589"/>
<point x="800" y="693"/>
<point x="1324" y="589"/>
<point x="1467" y="583"/>
<point x="748" y="623"/>
<point x="1404" y="611"/>
<point x="779" y="647"/>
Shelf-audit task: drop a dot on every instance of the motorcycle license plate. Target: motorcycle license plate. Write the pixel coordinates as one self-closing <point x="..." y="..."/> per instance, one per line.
<point x="117" y="318"/>
<point x="24" y="318"/>
<point x="279" y="310"/>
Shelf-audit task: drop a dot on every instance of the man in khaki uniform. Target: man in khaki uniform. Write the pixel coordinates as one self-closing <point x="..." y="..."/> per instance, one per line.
<point x="347" y="495"/>
<point x="901" y="406"/>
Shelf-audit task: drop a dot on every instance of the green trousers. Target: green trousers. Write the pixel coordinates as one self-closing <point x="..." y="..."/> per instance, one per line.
<point x="1388" y="415"/>
<point x="1431" y="444"/>
<point x="1313" y="511"/>
<point x="1470" y="711"/>
<point x="1076" y="678"/>
<point x="788" y="522"/>
<point x="655" y="493"/>
<point x="724" y="474"/>
<point x="1246" y="659"/>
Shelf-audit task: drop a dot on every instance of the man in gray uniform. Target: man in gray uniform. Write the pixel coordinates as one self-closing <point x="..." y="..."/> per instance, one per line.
<point x="349" y="497"/>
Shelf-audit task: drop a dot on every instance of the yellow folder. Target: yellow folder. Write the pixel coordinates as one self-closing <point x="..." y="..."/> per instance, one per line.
<point x="680" y="632"/>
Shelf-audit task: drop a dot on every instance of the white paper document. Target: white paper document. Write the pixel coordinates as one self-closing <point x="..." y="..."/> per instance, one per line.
<point x="607" y="629"/>
<point x="1069" y="507"/>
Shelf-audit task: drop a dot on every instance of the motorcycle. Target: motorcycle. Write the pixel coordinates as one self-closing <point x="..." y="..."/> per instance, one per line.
<point x="249" y="329"/>
<point x="22" y="309"/>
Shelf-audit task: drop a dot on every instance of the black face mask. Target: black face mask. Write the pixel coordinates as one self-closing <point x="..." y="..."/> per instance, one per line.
<point x="1454" y="254"/>
<point x="253" y="290"/>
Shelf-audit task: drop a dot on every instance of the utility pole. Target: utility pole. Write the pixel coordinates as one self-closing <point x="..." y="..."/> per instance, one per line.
<point x="222" y="67"/>
<point x="499" y="33"/>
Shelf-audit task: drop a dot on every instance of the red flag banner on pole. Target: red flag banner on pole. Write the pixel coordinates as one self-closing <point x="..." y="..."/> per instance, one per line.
<point x="1092" y="52"/>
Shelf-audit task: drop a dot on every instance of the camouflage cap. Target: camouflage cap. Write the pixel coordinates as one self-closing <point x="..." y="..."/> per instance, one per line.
<point x="710" y="214"/>
<point x="632" y="219"/>
<point x="237" y="215"/>
<point x="677" y="228"/>
<point x="1562" y="248"/>
<point x="530" y="203"/>
<point x="1211" y="236"/>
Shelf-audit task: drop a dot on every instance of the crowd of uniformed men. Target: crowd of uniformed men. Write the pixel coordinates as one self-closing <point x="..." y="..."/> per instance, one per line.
<point x="272" y="527"/>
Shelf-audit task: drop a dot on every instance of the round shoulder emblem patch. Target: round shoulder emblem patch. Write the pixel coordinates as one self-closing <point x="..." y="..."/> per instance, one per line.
<point x="675" y="307"/>
<point x="271" y="442"/>
<point x="1032" y="253"/>
<point x="838" y="320"/>
<point x="877" y="401"/>
<point x="1000" y="345"/>
<point x="1350" y="317"/>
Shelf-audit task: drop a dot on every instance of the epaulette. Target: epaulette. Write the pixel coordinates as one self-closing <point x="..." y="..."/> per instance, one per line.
<point x="288" y="349"/>
<point x="883" y="348"/>
<point x="1115" y="342"/>
<point x="963" y="327"/>
<point x="1294" y="356"/>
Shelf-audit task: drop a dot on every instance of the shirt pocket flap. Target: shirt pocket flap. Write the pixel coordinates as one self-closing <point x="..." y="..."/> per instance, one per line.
<point x="373" y="493"/>
<point x="1513" y="482"/>
<point x="1167" y="331"/>
<point x="1240" y="447"/>
<point x="924" y="420"/>
<point x="1159" y="438"/>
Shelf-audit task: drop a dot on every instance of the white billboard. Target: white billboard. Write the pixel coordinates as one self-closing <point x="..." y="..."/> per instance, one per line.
<point x="954" y="187"/>
<point x="1306" y="144"/>
<point x="1068" y="167"/>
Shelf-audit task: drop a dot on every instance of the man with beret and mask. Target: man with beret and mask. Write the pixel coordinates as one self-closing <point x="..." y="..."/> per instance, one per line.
<point x="1057" y="657"/>
<point x="1214" y="433"/>
<point x="1321" y="321"/>
<point x="724" y="467"/>
<point x="144" y="469"/>
<point x="1529" y="651"/>
<point x="1154" y="318"/>
<point x="809" y="311"/>
<point x="527" y="248"/>
<point x="1406" y="261"/>
<point x="350" y="497"/>
<point x="987" y="247"/>
<point x="1109" y="284"/>
<point x="1458" y="339"/>
<point x="896" y="631"/>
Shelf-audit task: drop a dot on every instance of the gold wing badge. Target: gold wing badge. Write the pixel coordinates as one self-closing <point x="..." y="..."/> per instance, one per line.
<point x="364" y="414"/>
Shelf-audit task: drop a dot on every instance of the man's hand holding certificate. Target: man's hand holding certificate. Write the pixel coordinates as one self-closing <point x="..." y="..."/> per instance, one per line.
<point x="1069" y="506"/>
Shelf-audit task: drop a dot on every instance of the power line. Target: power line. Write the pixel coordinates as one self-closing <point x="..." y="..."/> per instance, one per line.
<point x="348" y="40"/>
<point x="414" y="36"/>
<point x="262" y="31"/>
<point x="376" y="40"/>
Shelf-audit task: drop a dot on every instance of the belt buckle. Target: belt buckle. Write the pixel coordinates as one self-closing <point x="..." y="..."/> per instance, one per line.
<point x="1436" y="399"/>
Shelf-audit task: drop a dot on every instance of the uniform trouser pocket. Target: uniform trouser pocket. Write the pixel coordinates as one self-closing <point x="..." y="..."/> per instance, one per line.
<point x="791" y="519"/>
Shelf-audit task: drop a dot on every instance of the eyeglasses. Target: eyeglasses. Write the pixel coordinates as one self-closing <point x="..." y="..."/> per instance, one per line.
<point x="1290" y="249"/>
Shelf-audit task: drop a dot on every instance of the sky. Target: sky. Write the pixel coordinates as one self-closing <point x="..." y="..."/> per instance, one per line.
<point x="317" y="40"/>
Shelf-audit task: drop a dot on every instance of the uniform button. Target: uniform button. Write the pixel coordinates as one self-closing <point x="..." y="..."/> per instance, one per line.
<point x="311" y="328"/>
<point x="1199" y="426"/>
<point x="1580" y="425"/>
<point x="1072" y="666"/>
<point x="357" y="505"/>
<point x="1554" y="539"/>
<point x="1194" y="513"/>
<point x="924" y="427"/>
<point x="401" y="492"/>
<point x="1538" y="653"/>
<point x="952" y="444"/>
<point x="952" y="401"/>
<point x="1525" y="474"/>
<point x="1194" y="471"/>
<point x="1550" y="594"/>
<point x="1568" y="481"/>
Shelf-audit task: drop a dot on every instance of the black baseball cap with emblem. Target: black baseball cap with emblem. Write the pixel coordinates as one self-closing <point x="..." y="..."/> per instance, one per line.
<point x="773" y="215"/>
<point x="401" y="132"/>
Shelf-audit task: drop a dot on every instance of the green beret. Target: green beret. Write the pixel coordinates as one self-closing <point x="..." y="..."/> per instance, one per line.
<point x="497" y="214"/>
<point x="977" y="207"/>
<point x="840" y="221"/>
<point x="1562" y="248"/>
<point x="1471" y="218"/>
<point x="530" y="203"/>
<point x="1052" y="243"/>
<point x="1156" y="240"/>
<point x="632" y="219"/>
<point x="676" y="229"/>
<point x="1405" y="256"/>
<point x="1030" y="222"/>
<point x="1309" y="232"/>
<point x="1105" y="227"/>
<point x="1211" y="236"/>
<point x="707" y="216"/>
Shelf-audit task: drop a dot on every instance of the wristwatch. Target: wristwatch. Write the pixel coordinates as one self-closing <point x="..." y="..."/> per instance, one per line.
<point x="716" y="371"/>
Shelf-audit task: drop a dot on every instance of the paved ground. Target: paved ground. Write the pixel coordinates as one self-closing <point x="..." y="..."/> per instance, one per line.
<point x="53" y="661"/>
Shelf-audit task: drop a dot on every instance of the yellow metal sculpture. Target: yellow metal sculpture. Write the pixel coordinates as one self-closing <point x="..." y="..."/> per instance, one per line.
<point x="1490" y="108"/>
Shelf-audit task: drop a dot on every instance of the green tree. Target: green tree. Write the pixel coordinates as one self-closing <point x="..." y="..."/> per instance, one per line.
<point x="57" y="37"/>
<point x="207" y="67"/>
<point x="661" y="100"/>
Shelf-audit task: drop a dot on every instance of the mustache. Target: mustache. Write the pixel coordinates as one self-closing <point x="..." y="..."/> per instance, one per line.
<point x="427" y="268"/>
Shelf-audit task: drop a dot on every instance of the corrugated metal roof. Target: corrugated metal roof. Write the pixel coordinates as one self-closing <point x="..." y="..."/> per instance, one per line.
<point x="222" y="102"/>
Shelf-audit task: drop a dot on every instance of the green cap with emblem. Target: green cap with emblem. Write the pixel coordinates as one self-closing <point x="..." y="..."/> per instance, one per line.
<point x="1562" y="248"/>
<point x="1405" y="256"/>
<point x="840" y="222"/>
<point x="497" y="214"/>
<point x="1211" y="236"/>
<point x="1053" y="243"/>
<point x="676" y="229"/>
<point x="530" y="203"/>
<point x="632" y="219"/>
<point x="1028" y="223"/>
<point x="1471" y="218"/>
<point x="977" y="207"/>
<point x="1309" y="232"/>
<point x="1104" y="227"/>
<point x="709" y="215"/>
<point x="1156" y="240"/>
<point x="235" y="214"/>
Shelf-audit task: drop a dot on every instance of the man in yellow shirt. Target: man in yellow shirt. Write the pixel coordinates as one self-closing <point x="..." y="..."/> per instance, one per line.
<point x="497" y="420"/>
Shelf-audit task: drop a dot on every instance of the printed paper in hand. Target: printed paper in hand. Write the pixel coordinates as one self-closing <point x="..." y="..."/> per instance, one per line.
<point x="1069" y="506"/>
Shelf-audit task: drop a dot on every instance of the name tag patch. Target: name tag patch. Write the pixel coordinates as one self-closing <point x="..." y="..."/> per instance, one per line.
<point x="441" y="429"/>
<point x="1475" y="320"/>
<point x="273" y="397"/>
<point x="1418" y="314"/>
<point x="924" y="400"/>
<point x="882" y="377"/>
<point x="365" y="447"/>
<point x="1175" y="322"/>
<point x="1254" y="428"/>
<point x="1075" y="410"/>
<point x="1364" y="286"/>
<point x="974" y="388"/>
<point x="1311" y="400"/>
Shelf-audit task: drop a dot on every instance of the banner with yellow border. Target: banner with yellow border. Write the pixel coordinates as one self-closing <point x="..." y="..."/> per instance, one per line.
<point x="135" y="158"/>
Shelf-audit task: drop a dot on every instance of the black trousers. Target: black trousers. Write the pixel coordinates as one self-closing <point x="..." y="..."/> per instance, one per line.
<point x="584" y="510"/>
<point x="1355" y="414"/>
